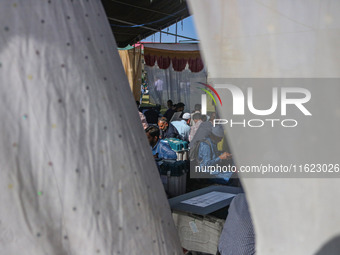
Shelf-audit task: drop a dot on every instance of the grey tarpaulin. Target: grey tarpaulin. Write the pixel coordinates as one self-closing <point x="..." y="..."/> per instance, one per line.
<point x="77" y="175"/>
<point x="282" y="39"/>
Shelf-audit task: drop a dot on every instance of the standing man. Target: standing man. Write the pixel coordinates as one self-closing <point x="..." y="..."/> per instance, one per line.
<point x="168" y="114"/>
<point x="159" y="89"/>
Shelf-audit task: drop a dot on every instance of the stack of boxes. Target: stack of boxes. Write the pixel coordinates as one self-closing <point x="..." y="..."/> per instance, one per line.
<point x="180" y="147"/>
<point x="174" y="173"/>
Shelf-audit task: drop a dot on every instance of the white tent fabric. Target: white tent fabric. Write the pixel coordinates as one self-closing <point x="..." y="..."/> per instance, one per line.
<point x="269" y="38"/>
<point x="77" y="175"/>
<point x="177" y="86"/>
<point x="282" y="39"/>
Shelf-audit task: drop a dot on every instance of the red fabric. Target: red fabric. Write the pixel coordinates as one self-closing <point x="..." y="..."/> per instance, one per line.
<point x="150" y="60"/>
<point x="195" y="65"/>
<point x="163" y="62"/>
<point x="179" y="64"/>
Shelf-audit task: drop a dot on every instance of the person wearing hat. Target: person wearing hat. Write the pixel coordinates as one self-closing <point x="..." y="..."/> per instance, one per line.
<point x="182" y="126"/>
<point x="208" y="155"/>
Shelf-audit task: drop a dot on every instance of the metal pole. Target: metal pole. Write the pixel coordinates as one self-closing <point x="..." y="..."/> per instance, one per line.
<point x="153" y="29"/>
<point x="176" y="32"/>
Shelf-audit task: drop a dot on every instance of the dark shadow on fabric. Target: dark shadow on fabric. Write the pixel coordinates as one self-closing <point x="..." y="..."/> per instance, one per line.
<point x="332" y="247"/>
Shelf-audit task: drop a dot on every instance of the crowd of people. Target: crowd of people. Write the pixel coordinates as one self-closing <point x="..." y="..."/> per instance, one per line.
<point x="194" y="128"/>
<point x="198" y="130"/>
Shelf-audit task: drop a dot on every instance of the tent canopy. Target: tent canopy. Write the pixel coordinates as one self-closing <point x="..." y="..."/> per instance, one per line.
<point x="132" y="20"/>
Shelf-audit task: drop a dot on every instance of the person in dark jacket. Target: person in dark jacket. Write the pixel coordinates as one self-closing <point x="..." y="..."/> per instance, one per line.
<point x="168" y="114"/>
<point x="151" y="116"/>
<point x="167" y="130"/>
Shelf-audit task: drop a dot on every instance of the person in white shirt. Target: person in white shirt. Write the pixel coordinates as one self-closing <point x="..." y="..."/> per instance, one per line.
<point x="182" y="126"/>
<point x="159" y="89"/>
